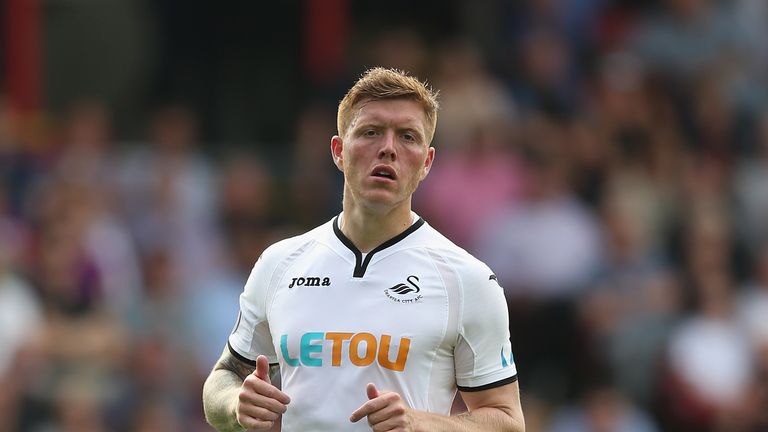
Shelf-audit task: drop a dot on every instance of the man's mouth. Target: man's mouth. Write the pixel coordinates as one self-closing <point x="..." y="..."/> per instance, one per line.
<point x="384" y="172"/>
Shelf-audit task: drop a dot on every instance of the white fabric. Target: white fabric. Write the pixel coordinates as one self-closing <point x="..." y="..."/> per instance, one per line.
<point x="752" y="312"/>
<point x="454" y="327"/>
<point x="714" y="358"/>
<point x="543" y="249"/>
<point x="20" y="317"/>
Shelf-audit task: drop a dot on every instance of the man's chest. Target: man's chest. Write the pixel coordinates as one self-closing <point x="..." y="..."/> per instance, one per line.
<point x="323" y="316"/>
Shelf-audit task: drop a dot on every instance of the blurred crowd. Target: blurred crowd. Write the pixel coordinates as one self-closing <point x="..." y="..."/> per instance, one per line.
<point x="608" y="159"/>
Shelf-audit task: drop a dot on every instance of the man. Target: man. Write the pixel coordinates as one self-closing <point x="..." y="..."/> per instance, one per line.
<point x="374" y="315"/>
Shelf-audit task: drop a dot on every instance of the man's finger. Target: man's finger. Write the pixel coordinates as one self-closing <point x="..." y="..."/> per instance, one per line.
<point x="367" y="408"/>
<point x="262" y="369"/>
<point x="256" y="385"/>
<point x="249" y="423"/>
<point x="264" y="401"/>
<point x="371" y="390"/>
<point x="361" y="412"/>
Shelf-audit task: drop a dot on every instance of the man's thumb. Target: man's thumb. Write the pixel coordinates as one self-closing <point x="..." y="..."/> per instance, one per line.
<point x="372" y="391"/>
<point x="262" y="369"/>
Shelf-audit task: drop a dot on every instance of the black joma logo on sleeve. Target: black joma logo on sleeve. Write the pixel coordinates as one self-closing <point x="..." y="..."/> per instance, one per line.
<point x="310" y="281"/>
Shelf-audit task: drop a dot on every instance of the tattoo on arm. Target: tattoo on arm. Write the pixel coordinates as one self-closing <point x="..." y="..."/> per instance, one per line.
<point x="231" y="363"/>
<point x="221" y="389"/>
<point x="242" y="369"/>
<point x="220" y="392"/>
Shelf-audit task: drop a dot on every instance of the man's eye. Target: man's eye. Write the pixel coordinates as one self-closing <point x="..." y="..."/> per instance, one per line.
<point x="410" y="137"/>
<point x="369" y="133"/>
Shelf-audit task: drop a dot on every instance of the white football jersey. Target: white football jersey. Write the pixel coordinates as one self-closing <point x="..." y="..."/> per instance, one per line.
<point x="417" y="315"/>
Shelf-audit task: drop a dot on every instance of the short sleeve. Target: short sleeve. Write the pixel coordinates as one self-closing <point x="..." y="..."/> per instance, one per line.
<point x="251" y="336"/>
<point x="483" y="355"/>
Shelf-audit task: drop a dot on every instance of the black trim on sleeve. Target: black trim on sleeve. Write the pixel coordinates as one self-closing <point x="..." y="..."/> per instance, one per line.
<point x="360" y="264"/>
<point x="240" y="356"/>
<point x="243" y="359"/>
<point x="503" y="382"/>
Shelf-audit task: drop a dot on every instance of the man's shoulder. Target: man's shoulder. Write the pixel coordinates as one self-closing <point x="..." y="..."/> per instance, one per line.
<point x="462" y="261"/>
<point x="292" y="246"/>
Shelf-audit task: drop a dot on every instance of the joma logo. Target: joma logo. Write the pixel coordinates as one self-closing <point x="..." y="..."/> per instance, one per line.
<point x="310" y="281"/>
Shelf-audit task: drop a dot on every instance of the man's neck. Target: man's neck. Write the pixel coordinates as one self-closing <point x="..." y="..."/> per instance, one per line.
<point x="369" y="229"/>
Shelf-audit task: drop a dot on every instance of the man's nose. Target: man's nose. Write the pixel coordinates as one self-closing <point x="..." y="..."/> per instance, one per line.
<point x="387" y="150"/>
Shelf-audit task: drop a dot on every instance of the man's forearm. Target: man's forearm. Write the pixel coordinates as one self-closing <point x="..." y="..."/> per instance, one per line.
<point x="220" y="393"/>
<point x="479" y="420"/>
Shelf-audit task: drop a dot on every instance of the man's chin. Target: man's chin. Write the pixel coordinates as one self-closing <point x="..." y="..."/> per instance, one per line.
<point x="381" y="201"/>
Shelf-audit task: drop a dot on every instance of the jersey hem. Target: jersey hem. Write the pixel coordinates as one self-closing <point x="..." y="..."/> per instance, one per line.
<point x="492" y="385"/>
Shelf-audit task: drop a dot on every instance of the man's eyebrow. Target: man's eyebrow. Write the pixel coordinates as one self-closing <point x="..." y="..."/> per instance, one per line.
<point x="413" y="130"/>
<point x="365" y="123"/>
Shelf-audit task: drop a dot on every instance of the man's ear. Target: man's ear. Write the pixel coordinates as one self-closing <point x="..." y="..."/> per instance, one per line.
<point x="337" y="147"/>
<point x="428" y="163"/>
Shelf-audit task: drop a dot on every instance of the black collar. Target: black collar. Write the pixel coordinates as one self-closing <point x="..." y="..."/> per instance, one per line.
<point x="360" y="264"/>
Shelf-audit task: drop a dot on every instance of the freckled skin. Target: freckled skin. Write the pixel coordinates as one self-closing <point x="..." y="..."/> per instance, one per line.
<point x="390" y="133"/>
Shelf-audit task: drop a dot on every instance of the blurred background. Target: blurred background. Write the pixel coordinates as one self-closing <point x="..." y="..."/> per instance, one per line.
<point x="607" y="158"/>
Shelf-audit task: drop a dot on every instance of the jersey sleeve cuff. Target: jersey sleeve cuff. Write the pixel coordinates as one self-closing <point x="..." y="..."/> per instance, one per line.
<point x="239" y="356"/>
<point x="244" y="359"/>
<point x="489" y="386"/>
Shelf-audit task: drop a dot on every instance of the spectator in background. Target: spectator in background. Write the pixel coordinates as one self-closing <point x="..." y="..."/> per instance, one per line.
<point x="547" y="248"/>
<point x="602" y="409"/>
<point x="470" y="95"/>
<point x="79" y="403"/>
<point x="752" y="302"/>
<point x="169" y="195"/>
<point x="632" y="304"/>
<point x="752" y="310"/>
<point x="709" y="341"/>
<point x="547" y="47"/>
<point x="644" y="150"/>
<point x="484" y="171"/>
<point x="699" y="49"/>
<point x="21" y="317"/>
<point x="86" y="148"/>
<point x="546" y="81"/>
<point x="87" y="161"/>
<point x="161" y="329"/>
<point x="313" y="186"/>
<point x="751" y="15"/>
<point x="401" y="48"/>
<point x="750" y="187"/>
<point x="246" y="216"/>
<point x="247" y="223"/>
<point x="18" y="169"/>
<point x="82" y="337"/>
<point x="684" y="39"/>
<point x="546" y="245"/>
<point x="477" y="141"/>
<point x="576" y="20"/>
<point x="591" y="156"/>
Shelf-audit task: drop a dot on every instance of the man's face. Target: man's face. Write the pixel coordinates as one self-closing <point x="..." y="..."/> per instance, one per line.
<point x="384" y="154"/>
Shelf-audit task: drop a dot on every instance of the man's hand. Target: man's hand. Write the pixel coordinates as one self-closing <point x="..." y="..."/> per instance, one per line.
<point x="386" y="411"/>
<point x="260" y="403"/>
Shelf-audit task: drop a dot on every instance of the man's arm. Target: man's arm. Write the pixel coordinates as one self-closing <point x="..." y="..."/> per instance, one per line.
<point x="496" y="409"/>
<point x="221" y="389"/>
<point x="223" y="392"/>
